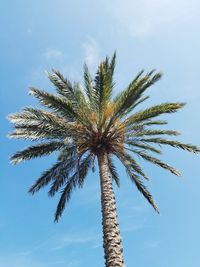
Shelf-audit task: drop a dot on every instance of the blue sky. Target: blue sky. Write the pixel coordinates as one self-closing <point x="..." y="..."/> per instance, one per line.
<point x="39" y="35"/>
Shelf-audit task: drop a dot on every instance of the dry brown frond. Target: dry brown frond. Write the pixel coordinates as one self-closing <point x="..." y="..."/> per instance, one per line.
<point x="93" y="117"/>
<point x="109" y="110"/>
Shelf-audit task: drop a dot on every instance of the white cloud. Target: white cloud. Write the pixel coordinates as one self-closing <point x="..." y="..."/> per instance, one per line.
<point x="53" y="54"/>
<point x="91" y="52"/>
<point x="88" y="236"/>
<point x="151" y="17"/>
<point x="75" y="239"/>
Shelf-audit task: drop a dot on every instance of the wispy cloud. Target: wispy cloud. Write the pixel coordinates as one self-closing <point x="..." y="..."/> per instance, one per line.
<point x="70" y="240"/>
<point x="91" y="52"/>
<point x="59" y="242"/>
<point x="53" y="54"/>
<point x="151" y="17"/>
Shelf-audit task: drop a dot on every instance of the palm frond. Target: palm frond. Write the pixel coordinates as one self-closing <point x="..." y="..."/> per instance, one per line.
<point x="140" y="186"/>
<point x="143" y="146"/>
<point x="35" y="124"/>
<point x="139" y="126"/>
<point x="157" y="162"/>
<point x="89" y="89"/>
<point x="65" y="197"/>
<point x="153" y="112"/>
<point x="69" y="152"/>
<point x="152" y="132"/>
<point x="134" y="91"/>
<point x="127" y="98"/>
<point x="84" y="110"/>
<point x="83" y="168"/>
<point x="77" y="179"/>
<point x="113" y="171"/>
<point x="161" y="141"/>
<point x="48" y="176"/>
<point x="134" y="105"/>
<point x="36" y="151"/>
<point x="60" y="105"/>
<point x="63" y="86"/>
<point x="155" y="122"/>
<point x="104" y="82"/>
<point x="131" y="163"/>
<point x="63" y="175"/>
<point x="31" y="116"/>
<point x="38" y="124"/>
<point x="72" y="93"/>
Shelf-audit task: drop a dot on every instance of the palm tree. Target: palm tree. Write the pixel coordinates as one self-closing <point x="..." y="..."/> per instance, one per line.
<point x="83" y="124"/>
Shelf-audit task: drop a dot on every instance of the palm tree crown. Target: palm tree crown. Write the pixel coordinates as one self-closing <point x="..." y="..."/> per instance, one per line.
<point x="82" y="122"/>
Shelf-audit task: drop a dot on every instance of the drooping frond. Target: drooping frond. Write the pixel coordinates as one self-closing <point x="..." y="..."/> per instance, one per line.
<point x="156" y="162"/>
<point x="132" y="164"/>
<point x="61" y="177"/>
<point x="142" y="188"/>
<point x="137" y="181"/>
<point x="47" y="176"/>
<point x="69" y="152"/>
<point x="65" y="197"/>
<point x="188" y="147"/>
<point x="36" y="151"/>
<point x="113" y="171"/>
<point x="77" y="179"/>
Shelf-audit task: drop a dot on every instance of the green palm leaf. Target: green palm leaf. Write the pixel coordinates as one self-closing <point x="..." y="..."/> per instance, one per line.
<point x="63" y="86"/>
<point x="157" y="162"/>
<point x="137" y="181"/>
<point x="152" y="132"/>
<point x="113" y="171"/>
<point x="77" y="179"/>
<point x="153" y="112"/>
<point x="134" y="92"/>
<point x="47" y="176"/>
<point x="143" y="146"/>
<point x="36" y="151"/>
<point x="160" y="141"/>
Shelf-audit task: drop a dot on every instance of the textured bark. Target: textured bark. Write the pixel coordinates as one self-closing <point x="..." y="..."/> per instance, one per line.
<point x="111" y="235"/>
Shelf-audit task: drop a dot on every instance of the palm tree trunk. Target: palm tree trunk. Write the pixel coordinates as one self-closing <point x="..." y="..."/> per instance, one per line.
<point x="111" y="235"/>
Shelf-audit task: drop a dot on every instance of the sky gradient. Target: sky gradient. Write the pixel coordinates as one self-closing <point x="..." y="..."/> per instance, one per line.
<point x="39" y="35"/>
